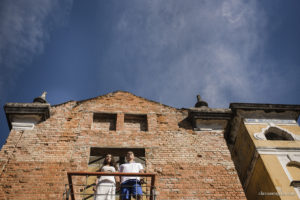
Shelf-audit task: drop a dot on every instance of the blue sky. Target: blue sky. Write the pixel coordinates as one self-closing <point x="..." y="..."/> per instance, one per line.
<point x="167" y="51"/>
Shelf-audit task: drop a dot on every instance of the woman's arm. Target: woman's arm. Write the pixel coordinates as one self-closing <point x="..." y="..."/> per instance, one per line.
<point x="97" y="179"/>
<point x="95" y="186"/>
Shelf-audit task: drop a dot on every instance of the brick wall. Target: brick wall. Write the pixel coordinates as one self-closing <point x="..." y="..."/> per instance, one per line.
<point x="188" y="164"/>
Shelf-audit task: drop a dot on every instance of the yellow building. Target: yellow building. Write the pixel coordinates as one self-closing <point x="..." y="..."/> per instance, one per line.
<point x="264" y="140"/>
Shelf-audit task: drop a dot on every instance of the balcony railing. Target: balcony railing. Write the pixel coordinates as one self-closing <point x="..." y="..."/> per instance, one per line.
<point x="81" y="185"/>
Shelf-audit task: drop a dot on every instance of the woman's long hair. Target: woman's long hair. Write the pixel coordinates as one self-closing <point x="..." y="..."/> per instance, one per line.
<point x="112" y="163"/>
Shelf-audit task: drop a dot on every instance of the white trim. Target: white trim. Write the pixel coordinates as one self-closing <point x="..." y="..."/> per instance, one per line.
<point x="262" y="135"/>
<point x="267" y="121"/>
<point x="284" y="160"/>
<point x="278" y="151"/>
<point x="295" y="160"/>
<point x="22" y="126"/>
<point x="199" y="130"/>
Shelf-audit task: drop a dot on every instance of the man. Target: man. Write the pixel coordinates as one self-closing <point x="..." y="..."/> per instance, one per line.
<point x="131" y="186"/>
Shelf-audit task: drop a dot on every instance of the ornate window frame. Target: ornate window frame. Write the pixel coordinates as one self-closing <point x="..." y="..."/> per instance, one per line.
<point x="277" y="130"/>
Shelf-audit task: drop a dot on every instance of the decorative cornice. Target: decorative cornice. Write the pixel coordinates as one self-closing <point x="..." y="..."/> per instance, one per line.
<point x="259" y="112"/>
<point x="205" y="118"/>
<point x="41" y="110"/>
<point x="265" y="107"/>
<point x="210" y="114"/>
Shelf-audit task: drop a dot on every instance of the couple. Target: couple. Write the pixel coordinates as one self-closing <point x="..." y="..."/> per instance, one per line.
<point x="130" y="186"/>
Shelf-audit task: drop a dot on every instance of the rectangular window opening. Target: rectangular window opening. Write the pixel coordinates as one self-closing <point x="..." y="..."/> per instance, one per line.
<point x="96" y="159"/>
<point x="104" y="121"/>
<point x="135" y="122"/>
<point x="97" y="155"/>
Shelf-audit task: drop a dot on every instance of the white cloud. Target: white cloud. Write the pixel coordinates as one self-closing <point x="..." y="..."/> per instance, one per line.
<point x="24" y="29"/>
<point x="187" y="47"/>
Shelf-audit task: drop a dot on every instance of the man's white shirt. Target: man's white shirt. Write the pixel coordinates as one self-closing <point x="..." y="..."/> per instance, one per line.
<point x="132" y="167"/>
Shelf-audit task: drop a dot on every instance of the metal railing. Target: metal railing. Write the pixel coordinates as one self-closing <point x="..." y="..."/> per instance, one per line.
<point x="81" y="187"/>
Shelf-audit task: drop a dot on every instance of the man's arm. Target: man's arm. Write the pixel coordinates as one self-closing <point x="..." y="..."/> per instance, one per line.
<point x="142" y="181"/>
<point x="141" y="170"/>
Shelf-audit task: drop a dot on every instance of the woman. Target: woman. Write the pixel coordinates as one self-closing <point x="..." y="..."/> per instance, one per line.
<point x="106" y="185"/>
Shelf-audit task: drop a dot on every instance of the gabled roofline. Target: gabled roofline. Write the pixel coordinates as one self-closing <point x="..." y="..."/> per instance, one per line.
<point x="111" y="93"/>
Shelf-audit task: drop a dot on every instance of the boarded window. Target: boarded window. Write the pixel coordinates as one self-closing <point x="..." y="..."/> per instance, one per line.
<point x="135" y="122"/>
<point x="105" y="121"/>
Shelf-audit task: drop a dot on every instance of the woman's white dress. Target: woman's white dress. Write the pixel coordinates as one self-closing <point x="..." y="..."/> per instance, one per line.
<point x="106" y="187"/>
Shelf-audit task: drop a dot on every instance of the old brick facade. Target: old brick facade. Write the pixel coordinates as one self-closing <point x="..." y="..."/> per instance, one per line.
<point x="189" y="163"/>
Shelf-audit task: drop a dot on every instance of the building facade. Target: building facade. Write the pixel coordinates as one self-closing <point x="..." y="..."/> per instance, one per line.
<point x="265" y="145"/>
<point x="249" y="151"/>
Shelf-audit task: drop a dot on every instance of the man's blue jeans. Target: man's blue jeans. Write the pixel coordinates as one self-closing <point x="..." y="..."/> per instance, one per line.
<point x="132" y="188"/>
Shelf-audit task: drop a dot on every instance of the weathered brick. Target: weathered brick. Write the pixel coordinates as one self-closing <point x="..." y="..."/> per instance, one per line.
<point x="188" y="164"/>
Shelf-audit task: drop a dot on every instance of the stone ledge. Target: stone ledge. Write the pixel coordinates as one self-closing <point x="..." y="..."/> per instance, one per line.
<point x="40" y="111"/>
<point x="210" y="113"/>
<point x="205" y="118"/>
<point x="265" y="107"/>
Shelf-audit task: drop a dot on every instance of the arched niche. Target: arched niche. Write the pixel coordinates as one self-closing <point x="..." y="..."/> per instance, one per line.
<point x="275" y="133"/>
